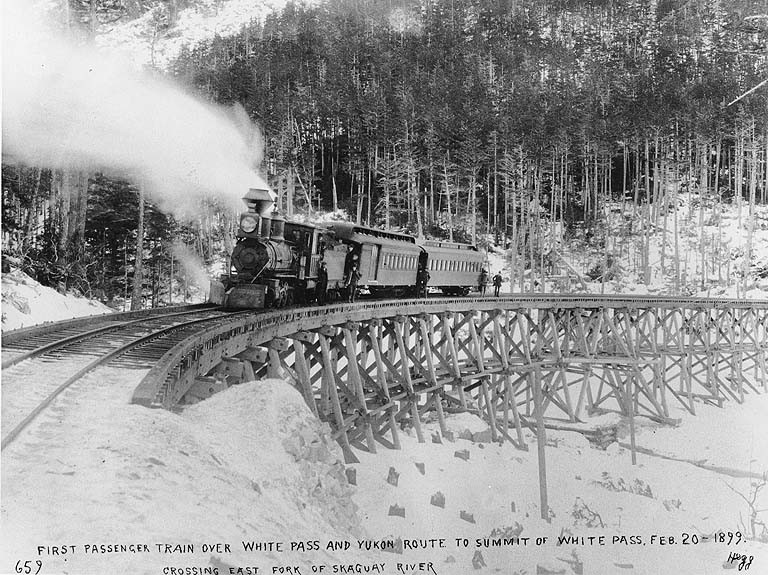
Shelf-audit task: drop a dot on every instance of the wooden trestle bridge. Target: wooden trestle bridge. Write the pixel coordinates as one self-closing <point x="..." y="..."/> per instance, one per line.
<point x="370" y="368"/>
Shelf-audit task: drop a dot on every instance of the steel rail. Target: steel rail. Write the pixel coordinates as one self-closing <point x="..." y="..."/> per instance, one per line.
<point x="88" y="334"/>
<point x="13" y="433"/>
<point x="20" y="334"/>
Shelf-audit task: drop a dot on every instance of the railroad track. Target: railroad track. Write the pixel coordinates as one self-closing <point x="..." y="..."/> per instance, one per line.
<point x="18" y="343"/>
<point x="39" y="364"/>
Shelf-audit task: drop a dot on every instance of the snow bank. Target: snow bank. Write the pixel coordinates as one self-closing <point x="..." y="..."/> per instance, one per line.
<point x="250" y="464"/>
<point x="281" y="446"/>
<point x="26" y="302"/>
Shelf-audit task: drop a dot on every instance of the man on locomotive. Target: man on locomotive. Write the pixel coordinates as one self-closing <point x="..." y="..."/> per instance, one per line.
<point x="349" y="261"/>
<point x="423" y="279"/>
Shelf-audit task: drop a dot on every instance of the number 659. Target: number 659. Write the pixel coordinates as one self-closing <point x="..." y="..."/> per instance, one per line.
<point x="28" y="567"/>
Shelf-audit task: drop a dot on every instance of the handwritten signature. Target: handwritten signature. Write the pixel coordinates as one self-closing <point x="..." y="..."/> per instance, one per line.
<point x="742" y="562"/>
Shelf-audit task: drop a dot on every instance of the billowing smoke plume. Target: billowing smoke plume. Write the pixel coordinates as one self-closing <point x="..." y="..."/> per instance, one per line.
<point x="193" y="266"/>
<point x="67" y="106"/>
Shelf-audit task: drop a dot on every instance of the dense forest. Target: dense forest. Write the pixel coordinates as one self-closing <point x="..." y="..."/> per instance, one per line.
<point x="511" y="120"/>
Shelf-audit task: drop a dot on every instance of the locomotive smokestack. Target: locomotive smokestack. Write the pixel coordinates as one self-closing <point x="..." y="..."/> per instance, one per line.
<point x="259" y="200"/>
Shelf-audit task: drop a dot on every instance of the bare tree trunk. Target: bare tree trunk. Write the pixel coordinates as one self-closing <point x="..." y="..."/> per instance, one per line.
<point x="702" y="193"/>
<point x="764" y="189"/>
<point x="646" y="243"/>
<point x="448" y="198"/>
<point x="78" y="215"/>
<point x="506" y="197"/>
<point x="473" y="208"/>
<point x="290" y="191"/>
<point x="386" y="205"/>
<point x="359" y="211"/>
<point x="63" y="193"/>
<point x="675" y="183"/>
<point x="430" y="218"/>
<point x="280" y="200"/>
<point x="738" y="171"/>
<point x="752" y="167"/>
<point x="136" y="297"/>
<point x="29" y="237"/>
<point x="662" y="178"/>
<point x="370" y="185"/>
<point x="495" y="188"/>
<point x="335" y="192"/>
<point x="419" y="222"/>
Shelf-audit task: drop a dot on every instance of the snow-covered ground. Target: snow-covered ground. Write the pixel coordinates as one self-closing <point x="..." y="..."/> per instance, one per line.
<point x="251" y="464"/>
<point x="26" y="302"/>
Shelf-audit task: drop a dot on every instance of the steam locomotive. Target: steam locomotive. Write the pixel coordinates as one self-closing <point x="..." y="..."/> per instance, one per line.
<point x="276" y="263"/>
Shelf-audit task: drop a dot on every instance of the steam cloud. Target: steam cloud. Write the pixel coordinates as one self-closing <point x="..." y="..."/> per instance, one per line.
<point x="192" y="265"/>
<point x="66" y="106"/>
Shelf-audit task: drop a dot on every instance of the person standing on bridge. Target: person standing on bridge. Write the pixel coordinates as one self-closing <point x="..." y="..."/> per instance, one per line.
<point x="497" y="279"/>
<point x="354" y="277"/>
<point x="482" y="281"/>
<point x="322" y="283"/>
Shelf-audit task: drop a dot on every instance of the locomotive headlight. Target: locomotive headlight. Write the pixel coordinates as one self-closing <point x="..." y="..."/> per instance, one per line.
<point x="248" y="224"/>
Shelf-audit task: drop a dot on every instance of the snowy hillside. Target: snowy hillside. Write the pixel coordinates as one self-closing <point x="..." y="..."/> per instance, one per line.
<point x="144" y="43"/>
<point x="27" y="302"/>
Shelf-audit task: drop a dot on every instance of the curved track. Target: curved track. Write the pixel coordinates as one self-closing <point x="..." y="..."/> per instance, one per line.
<point x="19" y="344"/>
<point x="42" y="362"/>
